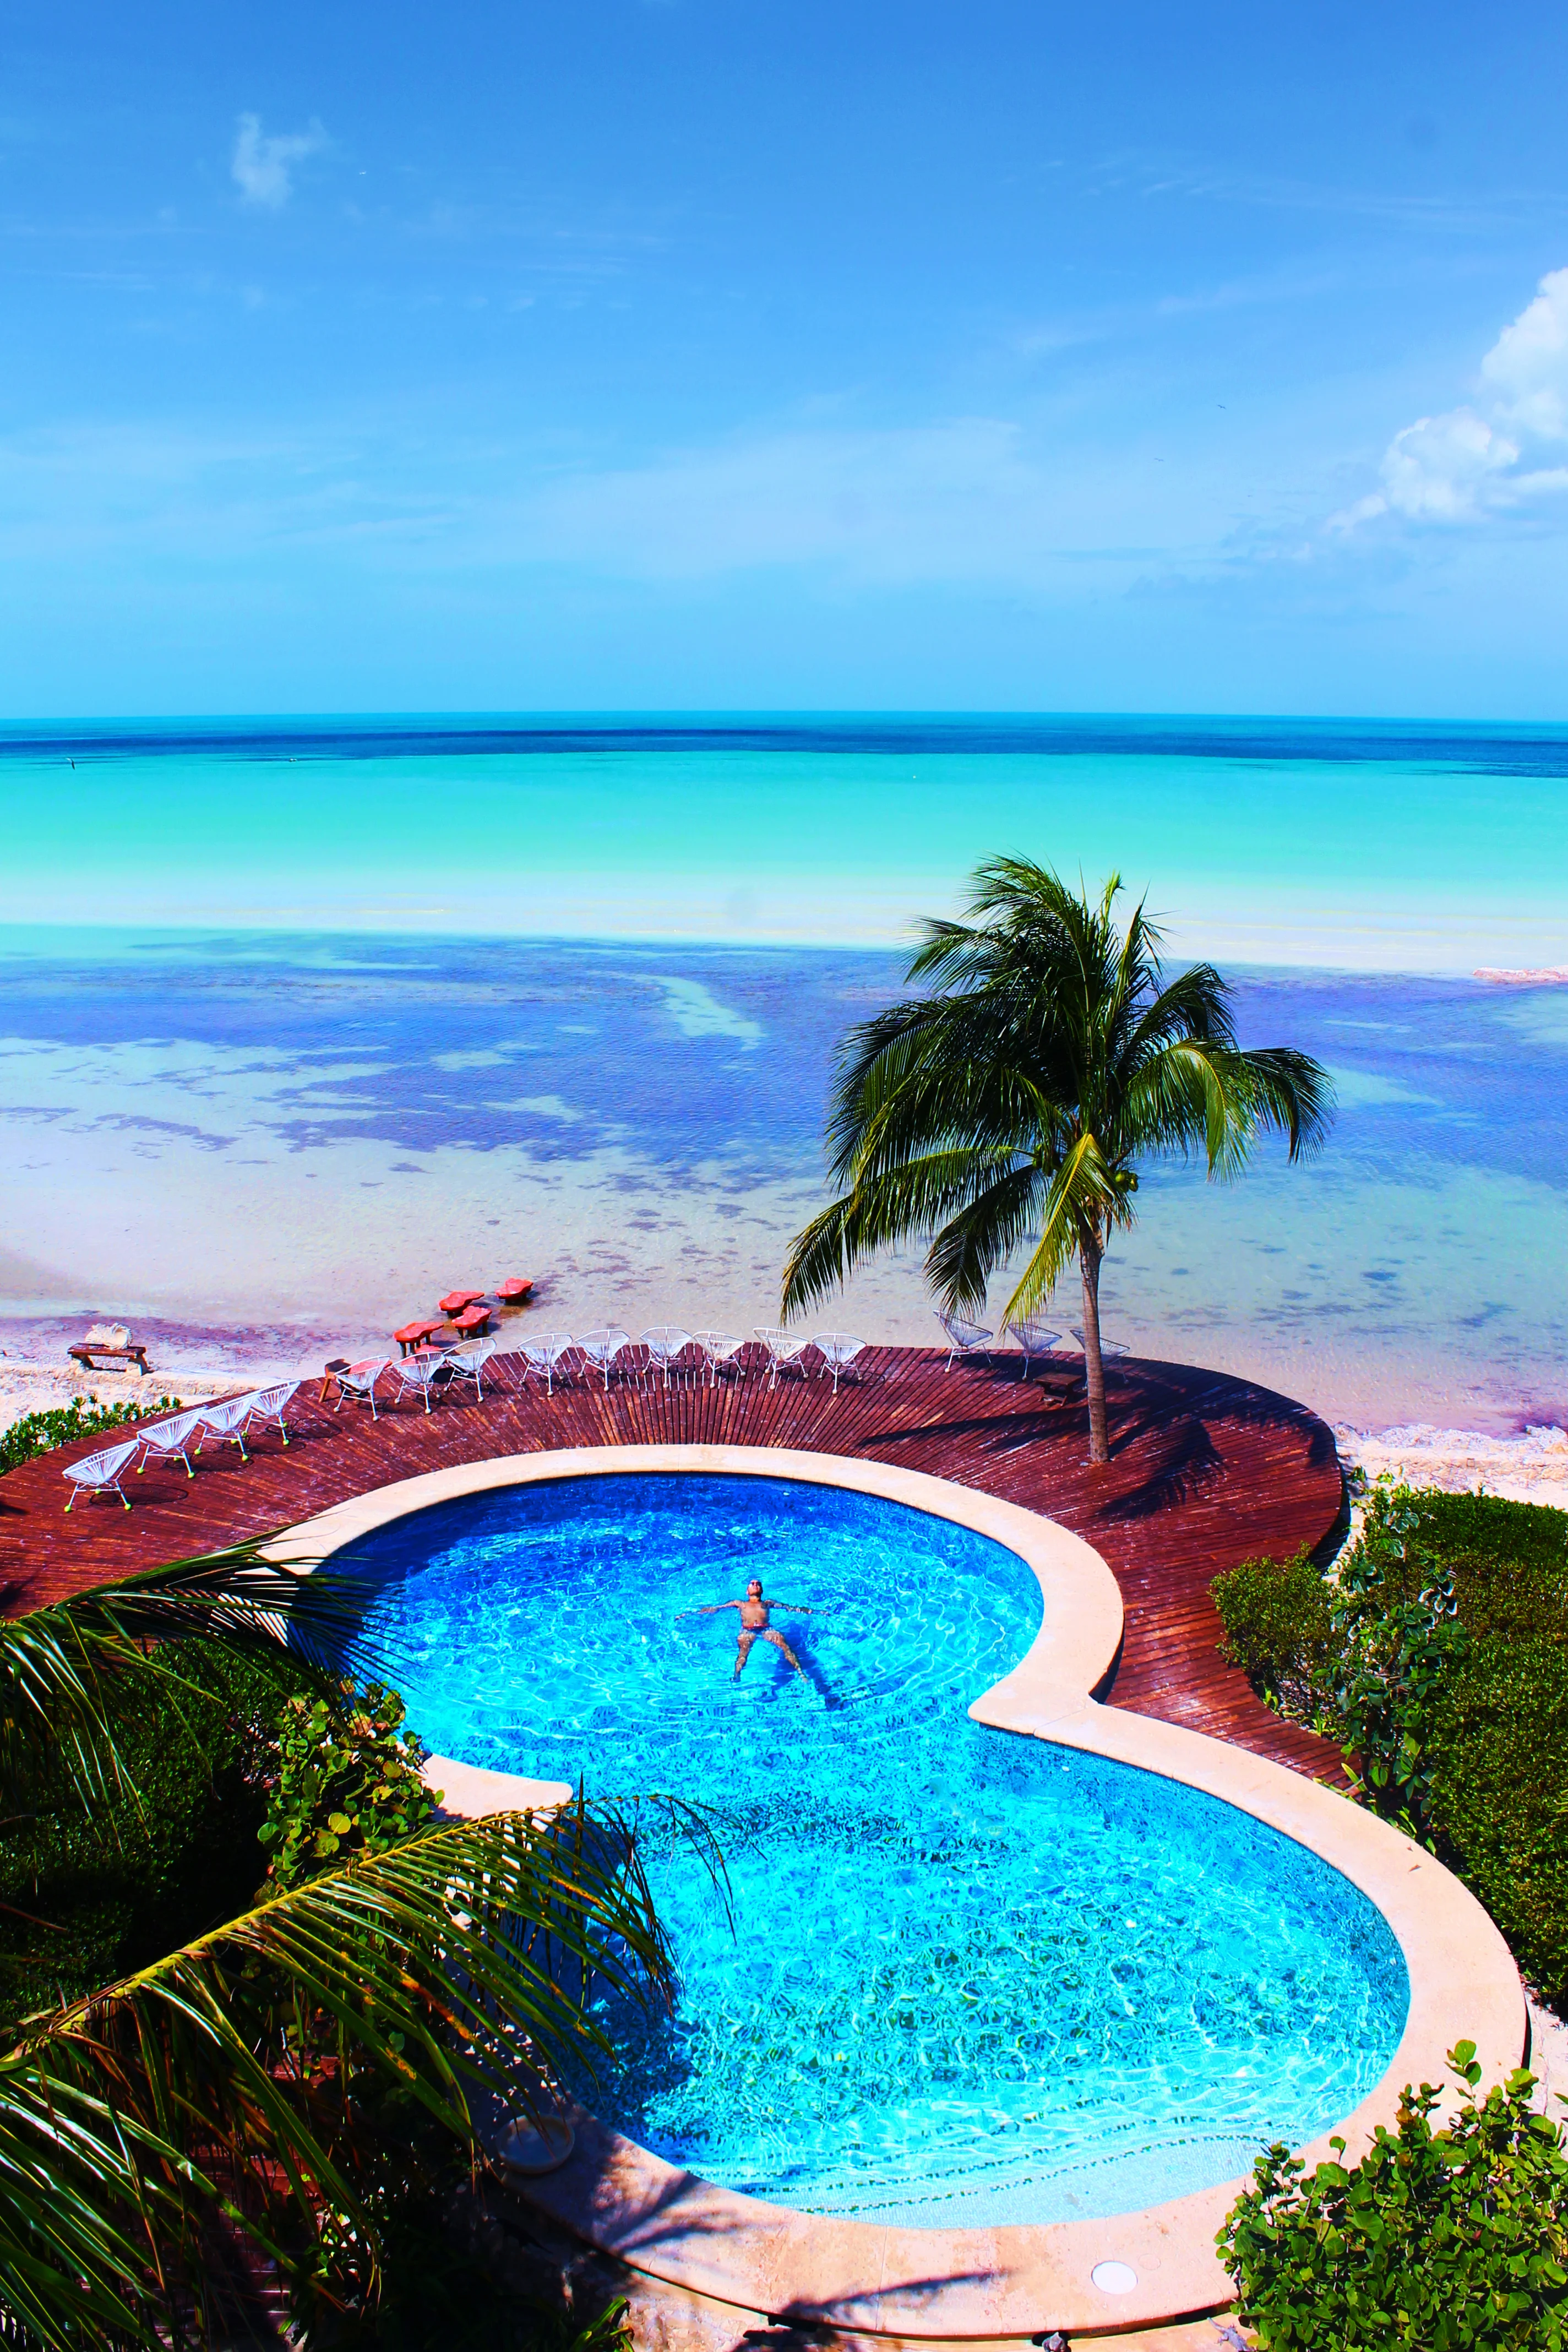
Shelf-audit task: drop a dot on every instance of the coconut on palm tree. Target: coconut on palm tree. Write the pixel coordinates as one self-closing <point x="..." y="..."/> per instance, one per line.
<point x="216" y="2122"/>
<point x="1008" y="1106"/>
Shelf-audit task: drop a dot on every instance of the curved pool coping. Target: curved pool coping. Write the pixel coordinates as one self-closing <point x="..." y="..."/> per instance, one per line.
<point x="1005" y="2280"/>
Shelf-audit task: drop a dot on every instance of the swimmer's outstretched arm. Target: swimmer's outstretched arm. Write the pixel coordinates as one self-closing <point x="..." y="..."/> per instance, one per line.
<point x="714" y="1609"/>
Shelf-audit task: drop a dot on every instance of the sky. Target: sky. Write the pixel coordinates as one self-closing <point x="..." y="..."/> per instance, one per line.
<point x="680" y="354"/>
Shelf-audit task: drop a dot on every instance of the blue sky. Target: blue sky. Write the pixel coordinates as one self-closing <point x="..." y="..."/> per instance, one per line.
<point x="695" y="355"/>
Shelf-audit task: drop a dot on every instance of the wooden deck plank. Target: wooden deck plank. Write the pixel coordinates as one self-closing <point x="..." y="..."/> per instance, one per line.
<point x="1205" y="1471"/>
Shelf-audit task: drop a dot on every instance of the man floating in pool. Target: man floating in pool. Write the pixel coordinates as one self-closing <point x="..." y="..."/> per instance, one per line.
<point x="754" y="1621"/>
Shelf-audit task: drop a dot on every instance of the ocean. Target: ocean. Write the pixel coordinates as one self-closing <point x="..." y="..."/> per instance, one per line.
<point x="304" y="1023"/>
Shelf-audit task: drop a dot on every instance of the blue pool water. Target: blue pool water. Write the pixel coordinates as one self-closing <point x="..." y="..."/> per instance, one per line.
<point x="972" y="1978"/>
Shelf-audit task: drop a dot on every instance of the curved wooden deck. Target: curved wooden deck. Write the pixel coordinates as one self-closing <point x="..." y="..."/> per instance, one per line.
<point x="1205" y="1471"/>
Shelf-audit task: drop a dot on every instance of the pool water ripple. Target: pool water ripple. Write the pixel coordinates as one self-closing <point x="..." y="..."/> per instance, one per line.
<point x="974" y="1978"/>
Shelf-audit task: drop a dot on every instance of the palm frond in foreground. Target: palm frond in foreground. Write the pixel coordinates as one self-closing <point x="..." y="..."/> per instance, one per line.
<point x="236" y="2086"/>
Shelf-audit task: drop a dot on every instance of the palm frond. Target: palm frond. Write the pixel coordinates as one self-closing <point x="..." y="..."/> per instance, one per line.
<point x="1081" y="1199"/>
<point x="459" y="1965"/>
<point x="984" y="1235"/>
<point x="901" y="1204"/>
<point x="68" y="1669"/>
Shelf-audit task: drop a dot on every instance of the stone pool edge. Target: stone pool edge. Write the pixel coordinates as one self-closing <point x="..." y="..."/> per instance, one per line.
<point x="1013" y="2281"/>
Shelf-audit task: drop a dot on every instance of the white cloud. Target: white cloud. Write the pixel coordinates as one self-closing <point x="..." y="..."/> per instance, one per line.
<point x="262" y="166"/>
<point x="1528" y="363"/>
<point x="1477" y="460"/>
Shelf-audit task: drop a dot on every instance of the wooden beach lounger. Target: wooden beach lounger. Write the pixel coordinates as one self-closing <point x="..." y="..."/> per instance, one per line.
<point x="100" y="1355"/>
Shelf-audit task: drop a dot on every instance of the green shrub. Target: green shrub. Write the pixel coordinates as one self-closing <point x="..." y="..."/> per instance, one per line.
<point x="1453" y="2239"/>
<point x="40" y="1432"/>
<point x="1276" y="1626"/>
<point x="84" y="1901"/>
<point x="1499" y="1800"/>
<point x="347" y="1782"/>
<point x="1490" y="1527"/>
<point x="1439" y="1649"/>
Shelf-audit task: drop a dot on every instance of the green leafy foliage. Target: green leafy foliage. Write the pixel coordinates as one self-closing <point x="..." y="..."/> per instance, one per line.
<point x="347" y="1782"/>
<point x="1445" y="1673"/>
<point x="92" y="1891"/>
<point x="1451" y="2238"/>
<point x="40" y="1432"/>
<point x="1277" y="1626"/>
<point x="1501" y="1797"/>
<point x="1396" y="1658"/>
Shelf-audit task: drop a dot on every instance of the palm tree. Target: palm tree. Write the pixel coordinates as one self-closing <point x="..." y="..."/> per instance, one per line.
<point x="1012" y="1103"/>
<point x="207" y="2116"/>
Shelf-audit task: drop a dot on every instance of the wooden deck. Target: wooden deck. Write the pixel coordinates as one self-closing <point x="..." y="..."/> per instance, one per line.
<point x="1205" y="1471"/>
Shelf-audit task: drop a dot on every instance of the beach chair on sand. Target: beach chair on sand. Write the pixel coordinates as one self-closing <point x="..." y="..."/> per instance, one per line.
<point x="784" y="1348"/>
<point x="101" y="1472"/>
<point x="169" y="1441"/>
<point x="963" y="1338"/>
<point x="545" y="1355"/>
<point x="456" y="1301"/>
<point x="356" y="1384"/>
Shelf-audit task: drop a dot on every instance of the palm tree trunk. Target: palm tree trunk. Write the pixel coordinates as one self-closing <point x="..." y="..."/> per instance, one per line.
<point x="1090" y="1255"/>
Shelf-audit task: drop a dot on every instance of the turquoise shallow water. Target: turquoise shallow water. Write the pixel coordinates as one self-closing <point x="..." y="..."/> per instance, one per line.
<point x="386" y="1058"/>
<point x="972" y="1978"/>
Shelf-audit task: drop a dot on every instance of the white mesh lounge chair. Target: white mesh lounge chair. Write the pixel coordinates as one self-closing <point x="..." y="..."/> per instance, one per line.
<point x="1033" y="1338"/>
<point x="270" y="1405"/>
<point x="963" y="1338"/>
<point x="784" y="1348"/>
<point x="664" y="1344"/>
<point x="356" y="1384"/>
<point x="101" y="1472"/>
<point x="169" y="1441"/>
<point x="466" y="1363"/>
<point x="723" y="1350"/>
<point x="418" y="1371"/>
<point x="1108" y="1347"/>
<point x="226" y="1422"/>
<point x="545" y="1354"/>
<point x="838" y="1351"/>
<point x="603" y="1347"/>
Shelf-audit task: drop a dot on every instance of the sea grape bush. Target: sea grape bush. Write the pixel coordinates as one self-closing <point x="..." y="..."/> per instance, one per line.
<point x="1396" y="1661"/>
<point x="1445" y="2239"/>
<point x="347" y="1782"/>
<point x="40" y="1432"/>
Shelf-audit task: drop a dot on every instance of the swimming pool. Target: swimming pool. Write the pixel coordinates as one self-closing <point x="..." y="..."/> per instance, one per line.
<point x="975" y="1978"/>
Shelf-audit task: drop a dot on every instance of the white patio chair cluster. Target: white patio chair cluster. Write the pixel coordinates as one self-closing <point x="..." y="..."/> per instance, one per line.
<point x="179" y="1435"/>
<point x="430" y="1372"/>
<point x="1035" y="1342"/>
<point x="665" y="1354"/>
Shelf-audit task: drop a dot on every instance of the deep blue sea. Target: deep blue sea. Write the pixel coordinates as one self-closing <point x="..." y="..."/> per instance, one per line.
<point x="302" y="1022"/>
